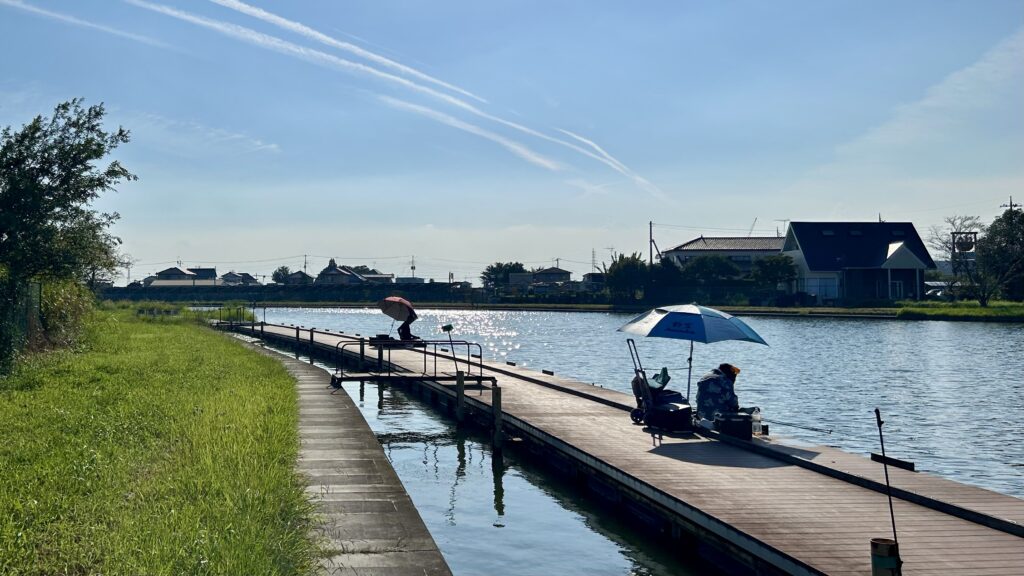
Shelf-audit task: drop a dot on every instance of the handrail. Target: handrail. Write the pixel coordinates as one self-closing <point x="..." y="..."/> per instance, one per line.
<point x="389" y="345"/>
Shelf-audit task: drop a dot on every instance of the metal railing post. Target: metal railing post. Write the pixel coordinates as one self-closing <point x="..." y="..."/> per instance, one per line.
<point x="496" y="410"/>
<point x="460" y="396"/>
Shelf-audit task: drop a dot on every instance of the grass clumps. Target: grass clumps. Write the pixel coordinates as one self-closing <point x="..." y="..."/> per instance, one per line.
<point x="999" y="311"/>
<point x="157" y="449"/>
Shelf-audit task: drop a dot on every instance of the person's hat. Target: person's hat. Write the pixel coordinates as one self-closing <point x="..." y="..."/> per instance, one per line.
<point x="729" y="369"/>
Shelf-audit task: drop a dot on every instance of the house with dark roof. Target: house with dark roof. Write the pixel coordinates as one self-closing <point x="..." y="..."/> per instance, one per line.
<point x="175" y="273"/>
<point x="740" y="250"/>
<point x="298" y="278"/>
<point x="204" y="273"/>
<point x="856" y="261"/>
<point x="551" y="275"/>
<point x="239" y="279"/>
<point x="333" y="275"/>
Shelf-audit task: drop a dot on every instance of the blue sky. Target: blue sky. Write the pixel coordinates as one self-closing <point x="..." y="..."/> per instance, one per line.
<point x="464" y="133"/>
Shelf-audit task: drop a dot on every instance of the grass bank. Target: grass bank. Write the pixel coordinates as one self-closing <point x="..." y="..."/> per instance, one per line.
<point x="966" y="311"/>
<point x="158" y="448"/>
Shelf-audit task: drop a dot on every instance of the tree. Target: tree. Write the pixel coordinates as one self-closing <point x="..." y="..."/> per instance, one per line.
<point x="773" y="270"/>
<point x="497" y="274"/>
<point x="363" y="269"/>
<point x="281" y="274"/>
<point x="1001" y="253"/>
<point x="710" y="270"/>
<point x="626" y="277"/>
<point x="49" y="176"/>
<point x="995" y="263"/>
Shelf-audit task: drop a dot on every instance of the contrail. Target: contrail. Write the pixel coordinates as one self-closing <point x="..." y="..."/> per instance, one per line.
<point x="511" y="145"/>
<point x="319" y="57"/>
<point x="593" y="145"/>
<point x="84" y="23"/>
<point x="308" y="32"/>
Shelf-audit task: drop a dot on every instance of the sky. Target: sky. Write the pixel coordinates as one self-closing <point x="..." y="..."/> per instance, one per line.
<point x="453" y="134"/>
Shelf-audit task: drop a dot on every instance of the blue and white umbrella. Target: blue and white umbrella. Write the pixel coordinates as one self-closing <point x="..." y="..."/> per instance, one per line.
<point x="694" y="323"/>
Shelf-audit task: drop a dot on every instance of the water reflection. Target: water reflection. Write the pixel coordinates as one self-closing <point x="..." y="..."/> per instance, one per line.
<point x="951" y="392"/>
<point x="494" y="513"/>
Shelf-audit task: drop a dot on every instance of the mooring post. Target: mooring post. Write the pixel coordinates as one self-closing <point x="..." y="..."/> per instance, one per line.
<point x="362" y="355"/>
<point x="460" y="396"/>
<point x="262" y="331"/>
<point x="311" y="345"/>
<point x="496" y="410"/>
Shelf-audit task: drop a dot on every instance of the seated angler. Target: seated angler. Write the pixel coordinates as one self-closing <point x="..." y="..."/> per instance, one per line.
<point x="715" y="392"/>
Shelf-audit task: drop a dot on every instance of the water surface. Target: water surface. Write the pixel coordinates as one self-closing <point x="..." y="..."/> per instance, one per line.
<point x="951" y="393"/>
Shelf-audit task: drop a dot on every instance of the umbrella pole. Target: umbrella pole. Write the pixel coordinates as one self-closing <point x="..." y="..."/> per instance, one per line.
<point x="689" y="372"/>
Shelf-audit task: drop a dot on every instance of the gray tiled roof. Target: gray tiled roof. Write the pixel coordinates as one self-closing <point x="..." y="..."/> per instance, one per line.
<point x="767" y="243"/>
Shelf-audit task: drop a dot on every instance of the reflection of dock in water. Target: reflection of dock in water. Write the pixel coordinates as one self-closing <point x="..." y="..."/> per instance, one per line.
<point x="747" y="507"/>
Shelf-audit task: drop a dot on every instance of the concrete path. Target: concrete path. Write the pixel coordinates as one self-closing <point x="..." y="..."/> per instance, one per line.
<point x="367" y="518"/>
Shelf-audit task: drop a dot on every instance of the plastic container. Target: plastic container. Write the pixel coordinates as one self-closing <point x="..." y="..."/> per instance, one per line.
<point x="755" y="422"/>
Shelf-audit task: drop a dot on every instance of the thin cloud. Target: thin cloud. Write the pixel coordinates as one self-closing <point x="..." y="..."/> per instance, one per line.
<point x="597" y="148"/>
<point x="322" y="58"/>
<point x="312" y="34"/>
<point x="619" y="166"/>
<point x="510" y="145"/>
<point x="187" y="136"/>
<point x="83" y="23"/>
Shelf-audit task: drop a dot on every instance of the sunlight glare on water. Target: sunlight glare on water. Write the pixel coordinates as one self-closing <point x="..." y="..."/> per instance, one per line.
<point x="951" y="393"/>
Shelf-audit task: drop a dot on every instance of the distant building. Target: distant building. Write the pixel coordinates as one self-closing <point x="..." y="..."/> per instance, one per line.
<point x="854" y="261"/>
<point x="176" y="276"/>
<point x="298" y="278"/>
<point x="741" y="251"/>
<point x="175" y="273"/>
<point x="550" y="275"/>
<point x="409" y="280"/>
<point x="333" y="275"/>
<point x="593" y="282"/>
<point x="204" y="273"/>
<point x="239" y="279"/>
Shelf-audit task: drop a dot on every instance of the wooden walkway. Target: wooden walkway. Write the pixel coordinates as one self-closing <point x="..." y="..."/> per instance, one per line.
<point x="771" y="504"/>
<point x="367" y="519"/>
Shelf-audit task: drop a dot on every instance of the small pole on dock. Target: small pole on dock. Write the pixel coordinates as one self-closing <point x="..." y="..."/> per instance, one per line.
<point x="460" y="396"/>
<point x="362" y="355"/>
<point x="885" y="553"/>
<point x="311" y="345"/>
<point x="496" y="411"/>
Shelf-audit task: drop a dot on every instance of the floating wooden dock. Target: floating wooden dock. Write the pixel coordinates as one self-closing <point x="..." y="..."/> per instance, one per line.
<point x="758" y="507"/>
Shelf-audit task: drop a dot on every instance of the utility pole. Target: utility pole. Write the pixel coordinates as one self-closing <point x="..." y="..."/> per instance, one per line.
<point x="650" y="243"/>
<point x="305" y="262"/>
<point x="412" y="265"/>
<point x="1011" y="205"/>
<point x="593" y="260"/>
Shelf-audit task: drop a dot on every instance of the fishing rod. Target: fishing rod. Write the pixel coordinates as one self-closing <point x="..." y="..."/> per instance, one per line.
<point x="801" y="426"/>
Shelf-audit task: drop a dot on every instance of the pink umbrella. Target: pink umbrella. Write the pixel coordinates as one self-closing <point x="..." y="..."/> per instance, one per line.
<point x="397" y="307"/>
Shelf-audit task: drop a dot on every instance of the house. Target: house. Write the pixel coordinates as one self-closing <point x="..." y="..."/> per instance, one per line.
<point x="856" y="261"/>
<point x="551" y="275"/>
<point x="334" y="275"/>
<point x="204" y="273"/>
<point x="298" y="278"/>
<point x="409" y="280"/>
<point x="175" y="273"/>
<point x="185" y="277"/>
<point x="593" y="282"/>
<point x="520" y="278"/>
<point x="239" y="279"/>
<point x="742" y="251"/>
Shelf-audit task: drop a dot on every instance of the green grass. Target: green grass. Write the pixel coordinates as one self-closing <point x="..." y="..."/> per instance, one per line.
<point x="160" y="448"/>
<point x="934" y="310"/>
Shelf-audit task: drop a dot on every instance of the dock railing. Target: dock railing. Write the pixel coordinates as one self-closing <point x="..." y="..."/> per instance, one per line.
<point x="431" y="349"/>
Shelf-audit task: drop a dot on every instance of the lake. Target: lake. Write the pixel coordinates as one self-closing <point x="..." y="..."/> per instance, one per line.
<point x="952" y="396"/>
